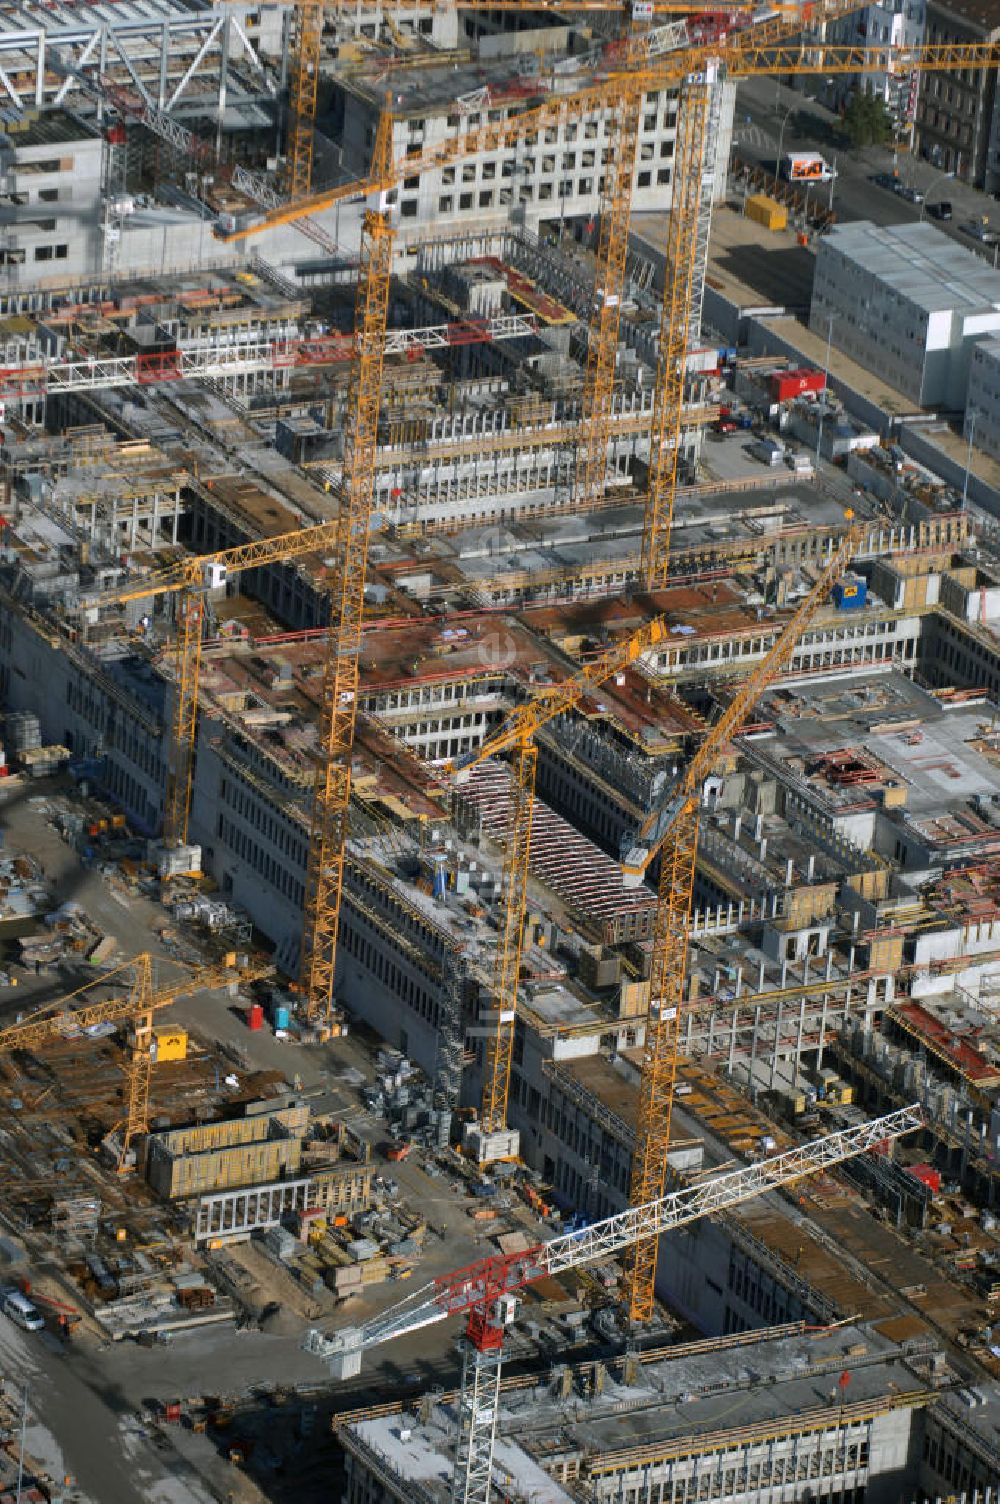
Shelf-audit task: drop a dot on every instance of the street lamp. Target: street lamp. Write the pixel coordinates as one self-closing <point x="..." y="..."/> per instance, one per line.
<point x="781" y="138"/>
<point x="939" y="178"/>
<point x="968" y="457"/>
<point x="826" y="383"/>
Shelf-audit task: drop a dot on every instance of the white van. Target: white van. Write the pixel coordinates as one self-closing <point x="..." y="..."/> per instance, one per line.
<point x="19" y="1308"/>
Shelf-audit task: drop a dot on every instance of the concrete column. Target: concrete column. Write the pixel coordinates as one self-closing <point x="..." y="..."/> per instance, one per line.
<point x="798" y="1042"/>
<point x="774" y="1053"/>
<point x="734" y="1019"/>
<point x="822" y="1034"/>
<point x="753" y="1046"/>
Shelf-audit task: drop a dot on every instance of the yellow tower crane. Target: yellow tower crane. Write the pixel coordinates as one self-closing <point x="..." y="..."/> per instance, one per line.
<point x="768" y="48"/>
<point x="338" y="705"/>
<point x="189" y="580"/>
<point x="137" y="1007"/>
<point x="673" y="835"/>
<point x="306" y="53"/>
<point x="516" y="736"/>
<point x="193" y="576"/>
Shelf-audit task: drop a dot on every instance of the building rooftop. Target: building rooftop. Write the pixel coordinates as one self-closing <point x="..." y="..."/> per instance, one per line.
<point x="658" y="1404"/>
<point x="920" y="264"/>
<point x="53" y="128"/>
<point x="984" y="13"/>
<point x="464" y="89"/>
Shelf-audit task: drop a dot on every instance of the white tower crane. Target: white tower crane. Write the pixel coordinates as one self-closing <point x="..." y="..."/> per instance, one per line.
<point x="485" y="1293"/>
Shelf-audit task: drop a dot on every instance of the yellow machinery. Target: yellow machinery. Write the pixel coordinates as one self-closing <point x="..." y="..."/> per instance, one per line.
<point x="677" y="845"/>
<point x="191" y="577"/>
<point x="767" y="50"/>
<point x="675" y="326"/>
<point x="188" y="579"/>
<point x="332" y="785"/>
<point x="137" y="1008"/>
<point x="674" y="834"/>
<point x="303" y="85"/>
<point x="346" y="538"/>
<point x="614" y="214"/>
<point x="517" y="736"/>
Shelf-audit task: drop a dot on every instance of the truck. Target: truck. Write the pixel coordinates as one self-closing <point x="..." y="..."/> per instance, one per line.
<point x="806" y="167"/>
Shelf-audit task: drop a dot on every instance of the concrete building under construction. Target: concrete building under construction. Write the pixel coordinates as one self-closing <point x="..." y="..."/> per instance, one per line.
<point x="852" y="1415"/>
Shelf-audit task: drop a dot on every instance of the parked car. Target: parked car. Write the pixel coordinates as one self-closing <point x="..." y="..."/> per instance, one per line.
<point x="909" y="193"/>
<point x="884" y="180"/>
<point x="976" y="229"/>
<point x="20" y="1310"/>
<point x="940" y="211"/>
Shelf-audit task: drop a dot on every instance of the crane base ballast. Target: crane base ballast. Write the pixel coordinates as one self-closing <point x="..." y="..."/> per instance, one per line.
<point x="490" y="1148"/>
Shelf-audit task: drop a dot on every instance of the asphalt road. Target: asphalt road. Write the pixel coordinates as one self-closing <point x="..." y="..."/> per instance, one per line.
<point x="770" y="116"/>
<point x="81" y="1425"/>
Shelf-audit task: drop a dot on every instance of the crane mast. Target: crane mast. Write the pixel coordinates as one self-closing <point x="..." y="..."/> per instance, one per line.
<point x="517" y="735"/>
<point x="305" y="63"/>
<point x="338" y="706"/>
<point x="678" y="846"/>
<point x="486" y="1293"/>
<point x="680" y="275"/>
<point x="614" y="215"/>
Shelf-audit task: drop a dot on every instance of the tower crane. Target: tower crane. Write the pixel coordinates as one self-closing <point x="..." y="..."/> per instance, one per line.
<point x="486" y="1293"/>
<point x="347" y="537"/>
<point x="771" y="47"/>
<point x="339" y="692"/>
<point x="674" y="837"/>
<point x="516" y="735"/>
<point x="191" y="577"/>
<point x="137" y="1007"/>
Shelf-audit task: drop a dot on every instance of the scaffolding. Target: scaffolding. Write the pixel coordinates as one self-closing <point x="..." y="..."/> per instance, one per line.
<point x="75" y="1221"/>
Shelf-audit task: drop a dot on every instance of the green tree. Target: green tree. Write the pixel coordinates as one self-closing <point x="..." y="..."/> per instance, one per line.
<point x="867" y="122"/>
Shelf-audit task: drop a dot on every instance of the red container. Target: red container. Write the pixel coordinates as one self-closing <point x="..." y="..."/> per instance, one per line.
<point x="255" y="1016"/>
<point x="172" y="1410"/>
<point x="930" y="1177"/>
<point x="801" y="383"/>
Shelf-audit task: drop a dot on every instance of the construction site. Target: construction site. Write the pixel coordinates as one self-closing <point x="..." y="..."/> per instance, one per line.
<point x="499" y="783"/>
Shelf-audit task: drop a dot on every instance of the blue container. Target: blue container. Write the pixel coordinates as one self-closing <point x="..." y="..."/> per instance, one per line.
<point x="850" y="594"/>
<point x="280" y="1016"/>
